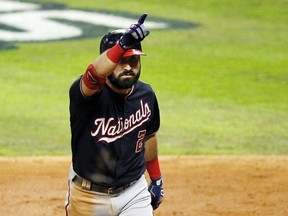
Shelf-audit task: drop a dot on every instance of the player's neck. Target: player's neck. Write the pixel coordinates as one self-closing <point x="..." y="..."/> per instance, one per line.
<point x="117" y="90"/>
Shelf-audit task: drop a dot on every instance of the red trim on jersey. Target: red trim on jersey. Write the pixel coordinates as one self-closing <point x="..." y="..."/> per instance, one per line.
<point x="116" y="53"/>
<point x="153" y="169"/>
<point x="92" y="79"/>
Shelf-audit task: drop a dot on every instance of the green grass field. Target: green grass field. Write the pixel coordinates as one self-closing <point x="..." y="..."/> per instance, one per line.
<point x="222" y="87"/>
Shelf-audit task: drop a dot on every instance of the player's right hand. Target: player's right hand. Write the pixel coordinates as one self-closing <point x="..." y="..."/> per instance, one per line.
<point x="135" y="34"/>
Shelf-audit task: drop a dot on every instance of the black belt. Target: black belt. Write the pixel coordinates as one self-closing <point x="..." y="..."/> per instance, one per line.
<point x="88" y="185"/>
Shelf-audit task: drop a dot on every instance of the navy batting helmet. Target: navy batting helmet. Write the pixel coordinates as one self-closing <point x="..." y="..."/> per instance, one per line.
<point x="110" y="39"/>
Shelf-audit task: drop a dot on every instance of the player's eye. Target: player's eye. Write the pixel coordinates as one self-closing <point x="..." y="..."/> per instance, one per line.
<point x="132" y="61"/>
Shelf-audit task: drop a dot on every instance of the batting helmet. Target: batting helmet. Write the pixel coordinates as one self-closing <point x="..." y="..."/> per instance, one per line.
<point x="110" y="39"/>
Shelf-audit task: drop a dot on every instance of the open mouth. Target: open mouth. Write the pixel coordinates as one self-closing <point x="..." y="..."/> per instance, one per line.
<point x="127" y="76"/>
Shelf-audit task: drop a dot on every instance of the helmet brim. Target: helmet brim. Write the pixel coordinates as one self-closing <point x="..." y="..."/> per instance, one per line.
<point x="132" y="52"/>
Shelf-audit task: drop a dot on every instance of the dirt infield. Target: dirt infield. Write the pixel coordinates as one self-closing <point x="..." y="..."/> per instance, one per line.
<point x="194" y="186"/>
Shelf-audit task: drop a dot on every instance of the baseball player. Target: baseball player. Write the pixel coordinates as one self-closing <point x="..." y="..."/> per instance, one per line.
<point x="114" y="118"/>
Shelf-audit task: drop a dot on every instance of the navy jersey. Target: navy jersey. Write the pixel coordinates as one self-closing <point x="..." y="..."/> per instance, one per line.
<point x="109" y="132"/>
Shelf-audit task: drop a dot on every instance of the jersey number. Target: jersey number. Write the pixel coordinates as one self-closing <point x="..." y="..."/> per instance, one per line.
<point x="139" y="144"/>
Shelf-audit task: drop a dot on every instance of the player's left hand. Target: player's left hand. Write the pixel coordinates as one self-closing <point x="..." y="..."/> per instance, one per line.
<point x="156" y="191"/>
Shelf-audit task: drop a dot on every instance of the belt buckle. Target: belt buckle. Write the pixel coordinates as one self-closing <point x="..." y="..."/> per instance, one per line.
<point x="110" y="191"/>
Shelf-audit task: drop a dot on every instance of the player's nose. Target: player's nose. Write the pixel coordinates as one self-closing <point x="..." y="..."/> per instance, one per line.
<point x="127" y="67"/>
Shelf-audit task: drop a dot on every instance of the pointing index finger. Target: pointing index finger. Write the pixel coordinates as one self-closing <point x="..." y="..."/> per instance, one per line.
<point x="142" y="18"/>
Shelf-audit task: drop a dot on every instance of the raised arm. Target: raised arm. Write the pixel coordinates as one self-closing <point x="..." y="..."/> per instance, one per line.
<point x="104" y="65"/>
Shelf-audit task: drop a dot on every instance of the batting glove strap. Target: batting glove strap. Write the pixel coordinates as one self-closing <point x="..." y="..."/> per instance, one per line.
<point x="135" y="34"/>
<point x="156" y="191"/>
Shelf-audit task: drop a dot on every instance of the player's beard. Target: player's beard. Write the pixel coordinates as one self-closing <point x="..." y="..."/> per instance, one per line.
<point x="125" y="83"/>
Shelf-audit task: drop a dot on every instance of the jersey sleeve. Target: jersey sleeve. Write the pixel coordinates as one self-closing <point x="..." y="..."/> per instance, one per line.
<point x="75" y="90"/>
<point x="79" y="104"/>
<point x="76" y="94"/>
<point x="154" y="122"/>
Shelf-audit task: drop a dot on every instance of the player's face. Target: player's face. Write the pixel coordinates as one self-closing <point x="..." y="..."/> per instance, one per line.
<point x="126" y="73"/>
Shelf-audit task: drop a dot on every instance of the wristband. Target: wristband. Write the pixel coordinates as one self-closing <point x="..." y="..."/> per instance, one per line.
<point x="153" y="169"/>
<point x="116" y="53"/>
<point x="92" y="79"/>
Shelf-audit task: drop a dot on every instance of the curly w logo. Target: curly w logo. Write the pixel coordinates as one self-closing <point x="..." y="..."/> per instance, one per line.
<point x="22" y="22"/>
